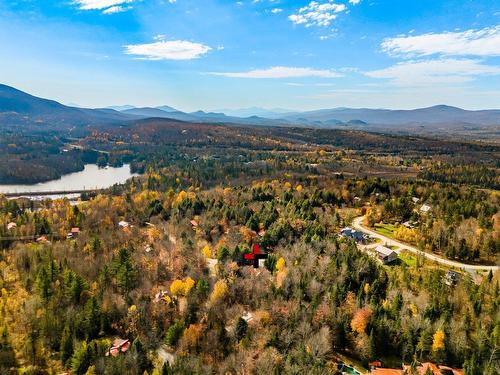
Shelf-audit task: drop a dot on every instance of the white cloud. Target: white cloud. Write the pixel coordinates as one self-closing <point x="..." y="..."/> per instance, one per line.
<point x="354" y="2"/>
<point x="100" y="4"/>
<point x="280" y="72"/>
<point x="317" y="14"/>
<point x="116" y="9"/>
<point x="437" y="71"/>
<point x="168" y="50"/>
<point x="482" y="42"/>
<point x="276" y="10"/>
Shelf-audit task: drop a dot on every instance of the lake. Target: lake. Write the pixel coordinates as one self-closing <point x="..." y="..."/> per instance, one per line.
<point x="92" y="177"/>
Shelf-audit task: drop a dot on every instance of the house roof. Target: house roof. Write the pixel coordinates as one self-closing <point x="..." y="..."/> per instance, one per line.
<point x="435" y="369"/>
<point x="75" y="230"/>
<point x="385" y="251"/>
<point x="11" y="225"/>
<point x="386" y="371"/>
<point x="425" y="208"/>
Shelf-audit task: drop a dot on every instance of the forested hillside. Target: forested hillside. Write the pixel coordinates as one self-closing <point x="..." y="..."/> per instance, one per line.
<point x="160" y="261"/>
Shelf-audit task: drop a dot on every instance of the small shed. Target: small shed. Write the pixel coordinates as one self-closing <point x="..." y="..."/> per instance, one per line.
<point x="11" y="226"/>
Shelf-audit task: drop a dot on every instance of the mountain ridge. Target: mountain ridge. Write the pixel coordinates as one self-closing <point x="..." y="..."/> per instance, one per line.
<point x="17" y="106"/>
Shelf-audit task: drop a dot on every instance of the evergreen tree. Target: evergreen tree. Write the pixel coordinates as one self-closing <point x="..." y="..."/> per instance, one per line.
<point x="66" y="345"/>
<point x="241" y="329"/>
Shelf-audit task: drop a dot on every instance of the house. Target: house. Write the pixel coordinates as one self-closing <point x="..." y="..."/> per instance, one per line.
<point x="11" y="226"/>
<point x="118" y="346"/>
<point x="256" y="258"/>
<point x="42" y="239"/>
<point x="415" y="200"/>
<point x="451" y="278"/>
<point x="247" y="317"/>
<point x="410" y="224"/>
<point x="425" y="208"/>
<point x="374" y="364"/>
<point x="385" y="255"/>
<point x="74" y="233"/>
<point x="162" y="296"/>
<point x="123" y="224"/>
<point x="386" y="371"/>
<point x="194" y="223"/>
<point x="431" y="368"/>
<point x="421" y="369"/>
<point x="354" y="235"/>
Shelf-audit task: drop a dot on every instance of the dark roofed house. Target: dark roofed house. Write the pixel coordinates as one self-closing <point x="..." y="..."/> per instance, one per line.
<point x="354" y="235"/>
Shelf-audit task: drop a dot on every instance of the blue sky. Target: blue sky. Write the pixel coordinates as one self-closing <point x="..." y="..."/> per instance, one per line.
<point x="213" y="54"/>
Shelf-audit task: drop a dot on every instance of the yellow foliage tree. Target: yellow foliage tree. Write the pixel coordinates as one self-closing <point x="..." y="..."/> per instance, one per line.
<point x="406" y="234"/>
<point x="206" y="251"/>
<point x="182" y="288"/>
<point x="177" y="287"/>
<point x="188" y="285"/>
<point x="192" y="335"/>
<point x="438" y="341"/>
<point x="361" y="319"/>
<point x="220" y="290"/>
<point x="299" y="188"/>
<point x="366" y="288"/>
<point x="280" y="264"/>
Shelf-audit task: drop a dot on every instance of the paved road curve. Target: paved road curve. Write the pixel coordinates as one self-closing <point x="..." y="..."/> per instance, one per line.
<point x="357" y="224"/>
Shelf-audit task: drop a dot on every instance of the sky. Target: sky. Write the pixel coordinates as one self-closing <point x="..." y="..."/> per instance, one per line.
<point x="221" y="54"/>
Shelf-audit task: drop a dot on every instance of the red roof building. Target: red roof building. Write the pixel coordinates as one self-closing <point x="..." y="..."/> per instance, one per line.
<point x="119" y="346"/>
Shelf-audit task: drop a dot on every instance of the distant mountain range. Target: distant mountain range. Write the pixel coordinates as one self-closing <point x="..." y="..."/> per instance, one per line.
<point x="17" y="107"/>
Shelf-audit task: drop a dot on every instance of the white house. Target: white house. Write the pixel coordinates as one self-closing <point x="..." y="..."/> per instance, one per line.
<point x="123" y="224"/>
<point x="425" y="208"/>
<point x="11" y="226"/>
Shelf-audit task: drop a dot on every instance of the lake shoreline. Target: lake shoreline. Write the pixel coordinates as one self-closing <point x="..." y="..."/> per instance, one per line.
<point x="90" y="178"/>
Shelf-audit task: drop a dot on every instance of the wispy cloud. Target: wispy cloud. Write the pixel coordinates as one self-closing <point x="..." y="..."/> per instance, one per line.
<point x="434" y="71"/>
<point x="108" y="6"/>
<point x="168" y="50"/>
<point x="116" y="9"/>
<point x="482" y="42"/>
<point x="281" y="72"/>
<point x="317" y="14"/>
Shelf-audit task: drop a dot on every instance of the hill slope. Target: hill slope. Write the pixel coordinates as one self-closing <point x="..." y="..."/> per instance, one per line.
<point x="18" y="107"/>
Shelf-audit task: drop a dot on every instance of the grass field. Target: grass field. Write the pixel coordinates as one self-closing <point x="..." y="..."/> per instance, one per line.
<point x="409" y="259"/>
<point x="386" y="229"/>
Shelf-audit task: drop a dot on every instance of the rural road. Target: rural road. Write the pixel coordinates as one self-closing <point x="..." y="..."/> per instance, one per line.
<point x="357" y="224"/>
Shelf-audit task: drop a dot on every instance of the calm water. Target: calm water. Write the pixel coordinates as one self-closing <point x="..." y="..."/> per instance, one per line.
<point x="92" y="177"/>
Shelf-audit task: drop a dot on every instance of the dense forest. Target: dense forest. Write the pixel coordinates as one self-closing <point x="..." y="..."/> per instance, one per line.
<point x="160" y="260"/>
